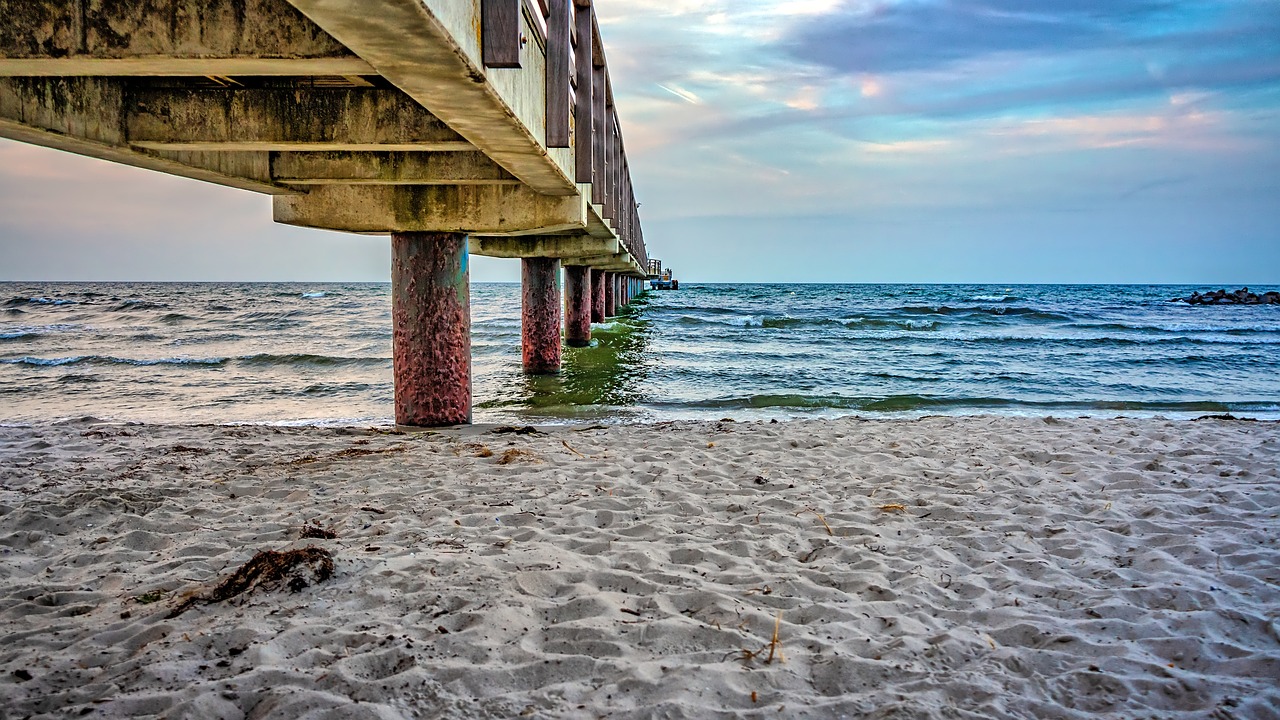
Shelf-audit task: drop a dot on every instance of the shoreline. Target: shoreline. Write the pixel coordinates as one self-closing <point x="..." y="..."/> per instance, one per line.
<point x="947" y="566"/>
<point x="613" y="419"/>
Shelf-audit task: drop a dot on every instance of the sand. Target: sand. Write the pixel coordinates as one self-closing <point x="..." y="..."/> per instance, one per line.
<point x="933" y="568"/>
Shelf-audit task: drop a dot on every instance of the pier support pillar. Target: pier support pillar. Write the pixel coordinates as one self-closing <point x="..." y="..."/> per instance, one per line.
<point x="597" y="295"/>
<point x="577" y="305"/>
<point x="610" y="294"/>
<point x="431" y="333"/>
<point x="540" y="315"/>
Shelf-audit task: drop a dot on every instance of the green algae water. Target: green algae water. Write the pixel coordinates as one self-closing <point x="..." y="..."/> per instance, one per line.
<point x="321" y="353"/>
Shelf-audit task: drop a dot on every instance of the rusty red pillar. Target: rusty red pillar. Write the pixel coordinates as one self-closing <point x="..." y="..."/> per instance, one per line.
<point x="597" y="295"/>
<point x="540" y="315"/>
<point x="577" y="305"/>
<point x="431" y="333"/>
<point x="610" y="294"/>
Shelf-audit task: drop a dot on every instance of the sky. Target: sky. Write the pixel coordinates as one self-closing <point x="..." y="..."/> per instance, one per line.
<point x="1000" y="141"/>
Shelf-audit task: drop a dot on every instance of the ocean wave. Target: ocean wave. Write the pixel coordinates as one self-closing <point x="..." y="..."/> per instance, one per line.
<point x="1019" y="312"/>
<point x="174" y="318"/>
<point x="33" y="332"/>
<point x="731" y="320"/>
<point x="679" y="309"/>
<point x="19" y="300"/>
<point x="129" y="305"/>
<point x="262" y="317"/>
<point x="1067" y="342"/>
<point x="78" y="379"/>
<point x="109" y="360"/>
<point x="309" y="359"/>
<point x="994" y="298"/>
<point x="785" y="322"/>
<point x="1181" y="328"/>
<point x="327" y="389"/>
<point x="314" y="294"/>
<point x="792" y="322"/>
<point x="909" y="402"/>
<point x="913" y="325"/>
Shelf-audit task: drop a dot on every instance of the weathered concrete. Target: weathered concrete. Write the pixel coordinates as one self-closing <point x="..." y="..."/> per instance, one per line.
<point x="610" y="294"/>
<point x="387" y="168"/>
<point x="577" y="305"/>
<point x="597" y="295"/>
<point x="275" y="119"/>
<point x="556" y="246"/>
<point x="85" y="116"/>
<point x="331" y="121"/>
<point x="540" y="315"/>
<point x="168" y="38"/>
<point x="617" y="262"/>
<point x="489" y="209"/>
<point x="431" y="317"/>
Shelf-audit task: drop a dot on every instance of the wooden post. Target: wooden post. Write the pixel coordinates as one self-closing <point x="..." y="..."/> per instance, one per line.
<point x="500" y="33"/>
<point x="598" y="135"/>
<point x="610" y="153"/>
<point x="583" y="107"/>
<point x="558" y="41"/>
<point x="431" y="328"/>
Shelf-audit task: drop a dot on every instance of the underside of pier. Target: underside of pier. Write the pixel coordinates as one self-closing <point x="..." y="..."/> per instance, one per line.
<point x="483" y="127"/>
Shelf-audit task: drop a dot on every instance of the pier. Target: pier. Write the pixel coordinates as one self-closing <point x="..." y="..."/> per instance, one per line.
<point x="456" y="128"/>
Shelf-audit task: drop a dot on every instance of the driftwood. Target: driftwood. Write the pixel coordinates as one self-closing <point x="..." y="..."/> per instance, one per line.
<point x="294" y="569"/>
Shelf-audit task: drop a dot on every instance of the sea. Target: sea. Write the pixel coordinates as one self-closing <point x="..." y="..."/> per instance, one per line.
<point x="320" y="354"/>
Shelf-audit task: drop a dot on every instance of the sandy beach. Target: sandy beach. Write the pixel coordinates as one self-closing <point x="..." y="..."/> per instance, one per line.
<point x="975" y="567"/>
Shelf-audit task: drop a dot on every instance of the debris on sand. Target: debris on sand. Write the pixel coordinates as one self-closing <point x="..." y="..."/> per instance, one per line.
<point x="294" y="569"/>
<point x="518" y="455"/>
<point x="315" y="532"/>
<point x="514" y="430"/>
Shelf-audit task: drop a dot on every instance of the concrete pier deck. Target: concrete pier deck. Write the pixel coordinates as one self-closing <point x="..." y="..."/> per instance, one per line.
<point x="488" y="123"/>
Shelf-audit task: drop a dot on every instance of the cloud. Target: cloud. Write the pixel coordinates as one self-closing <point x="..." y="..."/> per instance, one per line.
<point x="884" y="37"/>
<point x="681" y="93"/>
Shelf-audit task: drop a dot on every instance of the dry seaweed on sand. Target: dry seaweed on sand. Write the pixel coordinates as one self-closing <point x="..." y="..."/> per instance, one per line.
<point x="513" y="430"/>
<point x="315" y="532"/>
<point x="294" y="569"/>
<point x="514" y="454"/>
<point x="774" y="647"/>
<point x="821" y="519"/>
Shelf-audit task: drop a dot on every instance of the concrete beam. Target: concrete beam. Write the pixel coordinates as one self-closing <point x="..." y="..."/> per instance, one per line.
<point x="409" y="44"/>
<point x="485" y="209"/>
<point x="334" y="119"/>
<point x="183" y="67"/>
<point x="85" y="116"/>
<point x="167" y="37"/>
<point x="616" y="262"/>
<point x="548" y="246"/>
<point x="388" y="168"/>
